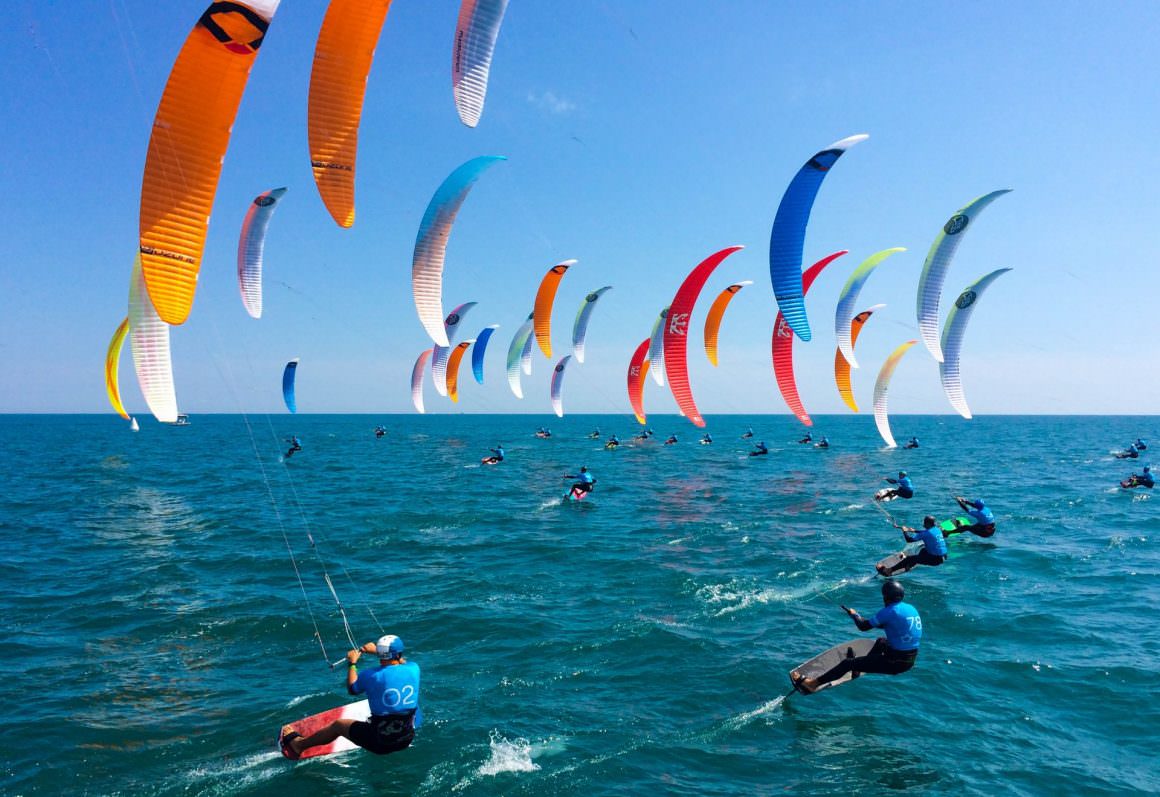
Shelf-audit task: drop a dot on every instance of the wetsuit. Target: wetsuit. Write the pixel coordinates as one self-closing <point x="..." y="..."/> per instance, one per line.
<point x="761" y="449"/>
<point x="584" y="484"/>
<point x="1142" y="480"/>
<point x="823" y="443"/>
<point x="1131" y="453"/>
<point x="905" y="488"/>
<point x="933" y="553"/>
<point x="809" y="438"/>
<point x="1140" y="445"/>
<point x="497" y="458"/>
<point x="890" y="656"/>
<point x="984" y="525"/>
<point x="671" y="440"/>
<point x="707" y="440"/>
<point x="613" y="442"/>
<point x="393" y="693"/>
<point x="295" y="445"/>
<point x="911" y="443"/>
<point x="748" y="434"/>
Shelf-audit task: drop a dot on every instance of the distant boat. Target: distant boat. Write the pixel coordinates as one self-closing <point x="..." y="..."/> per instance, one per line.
<point x="182" y="420"/>
<point x="133" y="427"/>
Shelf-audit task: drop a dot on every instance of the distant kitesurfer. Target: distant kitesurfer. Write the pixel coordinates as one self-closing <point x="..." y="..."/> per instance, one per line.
<point x="380" y="431"/>
<point x="1141" y="445"/>
<point x="984" y="525"/>
<point x="392" y="689"/>
<point x="823" y="443"/>
<point x="934" y="547"/>
<point x="759" y="450"/>
<point x="905" y="488"/>
<point x="672" y="439"/>
<point x="1144" y="479"/>
<point x="612" y="442"/>
<point x="1132" y="452"/>
<point x="809" y="438"/>
<point x="707" y="440"/>
<point x="295" y="445"/>
<point x="748" y="433"/>
<point x="543" y="432"/>
<point x="584" y="482"/>
<point x="911" y="443"/>
<point x="497" y="455"/>
<point x="594" y="434"/>
<point x="890" y="656"/>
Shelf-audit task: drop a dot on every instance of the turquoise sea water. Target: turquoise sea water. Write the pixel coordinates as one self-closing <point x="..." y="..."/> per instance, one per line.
<point x="637" y="642"/>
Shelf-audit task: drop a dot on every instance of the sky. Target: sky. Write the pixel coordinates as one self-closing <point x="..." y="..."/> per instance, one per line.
<point x="640" y="137"/>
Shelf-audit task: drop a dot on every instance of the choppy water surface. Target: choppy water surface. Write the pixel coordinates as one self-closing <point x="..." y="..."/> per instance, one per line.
<point x="637" y="642"/>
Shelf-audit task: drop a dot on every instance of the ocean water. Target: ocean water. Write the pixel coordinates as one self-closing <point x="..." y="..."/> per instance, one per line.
<point x="165" y="597"/>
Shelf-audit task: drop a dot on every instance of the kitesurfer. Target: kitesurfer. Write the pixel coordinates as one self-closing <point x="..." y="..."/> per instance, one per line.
<point x="392" y="689"/>
<point x="984" y="525"/>
<point x="892" y="655"/>
<point x="497" y="455"/>
<point x="809" y="438"/>
<point x="1144" y="479"/>
<point x="748" y="433"/>
<point x="585" y="481"/>
<point x="904" y="489"/>
<point x="644" y="435"/>
<point x="911" y="443"/>
<point x="594" y="434"/>
<point x="380" y="431"/>
<point x="934" y="547"/>
<point x="295" y="445"/>
<point x="672" y="439"/>
<point x="543" y="432"/>
<point x="612" y="442"/>
<point x="759" y="450"/>
<point x="1141" y="445"/>
<point x="823" y="443"/>
<point x="1132" y="452"/>
<point x="707" y="440"/>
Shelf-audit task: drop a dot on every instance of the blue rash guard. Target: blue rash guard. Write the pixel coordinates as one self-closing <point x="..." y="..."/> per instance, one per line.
<point x="586" y="478"/>
<point x="905" y="484"/>
<point x="932" y="540"/>
<point x="902" y="624"/>
<point x="983" y="516"/>
<point x="390" y="689"/>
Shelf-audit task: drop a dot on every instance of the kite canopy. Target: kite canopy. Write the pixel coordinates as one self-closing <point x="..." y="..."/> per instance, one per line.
<point x="637" y="369"/>
<point x="558" y="384"/>
<point x="881" y="419"/>
<point x="417" y="379"/>
<point x="656" y="348"/>
<point x="453" y="368"/>
<point x="288" y="384"/>
<point x="112" y="366"/>
<point x="439" y="358"/>
<point x="787" y="239"/>
<point x="934" y="270"/>
<point x="952" y="340"/>
<point x="849" y="296"/>
<point x="431" y="243"/>
<point x="713" y="319"/>
<point x="478" y="352"/>
<point x="475" y="35"/>
<point x="677" y="332"/>
<point x="519" y="350"/>
<point x="782" y="345"/>
<point x="191" y="132"/>
<point x="251" y="244"/>
<point x="580" y="326"/>
<point x="545" y="297"/>
<point x="842" y="365"/>
<point x="338" y="83"/>
<point x="149" y="341"/>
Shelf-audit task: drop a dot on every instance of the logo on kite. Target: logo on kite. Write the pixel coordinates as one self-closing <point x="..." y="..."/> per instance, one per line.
<point x="265" y="201"/>
<point x="634" y="370"/>
<point x="560" y="269"/>
<point x="452" y="320"/>
<point x="679" y="324"/>
<point x="966" y="299"/>
<point x="591" y="297"/>
<point x="783" y="330"/>
<point x="956" y="225"/>
<point x="240" y="29"/>
<point x="559" y="367"/>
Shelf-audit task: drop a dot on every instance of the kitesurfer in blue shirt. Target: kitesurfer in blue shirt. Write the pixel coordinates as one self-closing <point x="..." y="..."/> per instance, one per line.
<point x="891" y="655"/>
<point x="612" y="442"/>
<point x="1132" y="452"/>
<point x="759" y="450"/>
<point x="392" y="689"/>
<point x="823" y="443"/>
<point x="672" y="439"/>
<point x="295" y="445"/>
<point x="748" y="433"/>
<point x="809" y="438"/>
<point x="933" y="552"/>
<point x="585" y="481"/>
<point x="380" y="431"/>
<point x="984" y="525"/>
<point x="1144" y="479"/>
<point x="904" y="488"/>
<point x="496" y="457"/>
<point x="594" y="434"/>
<point x="911" y="443"/>
<point x="1141" y="445"/>
<point x="707" y="439"/>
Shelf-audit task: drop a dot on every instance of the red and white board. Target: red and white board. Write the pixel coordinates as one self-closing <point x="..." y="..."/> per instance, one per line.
<point x="351" y="711"/>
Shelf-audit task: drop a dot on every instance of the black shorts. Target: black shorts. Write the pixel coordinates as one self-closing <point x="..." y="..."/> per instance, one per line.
<point x="384" y="734"/>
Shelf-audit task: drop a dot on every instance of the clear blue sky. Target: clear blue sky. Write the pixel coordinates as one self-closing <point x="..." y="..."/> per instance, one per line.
<point x="641" y="136"/>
